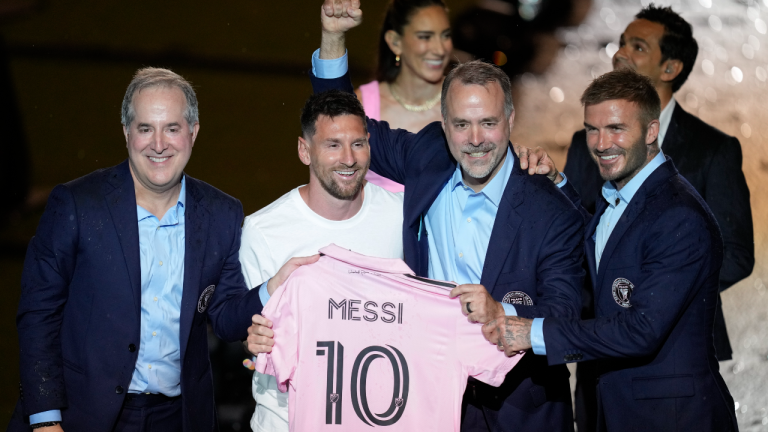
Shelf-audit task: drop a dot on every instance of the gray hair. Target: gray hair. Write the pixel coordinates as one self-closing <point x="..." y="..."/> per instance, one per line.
<point x="481" y="73"/>
<point x="157" y="77"/>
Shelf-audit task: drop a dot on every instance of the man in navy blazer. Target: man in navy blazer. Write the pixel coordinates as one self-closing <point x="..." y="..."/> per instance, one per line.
<point x="654" y="252"/>
<point x="128" y="266"/>
<point x="522" y="255"/>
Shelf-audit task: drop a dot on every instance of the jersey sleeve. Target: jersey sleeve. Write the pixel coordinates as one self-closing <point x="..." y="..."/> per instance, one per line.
<point x="282" y="310"/>
<point x="480" y="358"/>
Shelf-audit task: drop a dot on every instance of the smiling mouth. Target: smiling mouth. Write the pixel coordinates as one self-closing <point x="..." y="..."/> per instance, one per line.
<point x="346" y="174"/>
<point x="609" y="157"/>
<point x="477" y="154"/>
<point x="434" y="63"/>
<point x="157" y="159"/>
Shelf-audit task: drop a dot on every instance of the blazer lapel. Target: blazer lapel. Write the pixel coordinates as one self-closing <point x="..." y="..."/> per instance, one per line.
<point x="196" y="224"/>
<point x="505" y="226"/>
<point x="589" y="243"/>
<point x="121" y="202"/>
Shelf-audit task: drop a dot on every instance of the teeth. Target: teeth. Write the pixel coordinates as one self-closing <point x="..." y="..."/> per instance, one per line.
<point x="434" y="62"/>
<point x="611" y="157"/>
<point x="154" y="159"/>
<point x="478" y="154"/>
<point x="345" y="172"/>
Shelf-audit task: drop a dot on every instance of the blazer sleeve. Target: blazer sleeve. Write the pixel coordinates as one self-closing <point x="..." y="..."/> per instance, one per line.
<point x="48" y="268"/>
<point x="679" y="260"/>
<point x="561" y="274"/>
<point x="390" y="148"/>
<point x="232" y="304"/>
<point x="727" y="195"/>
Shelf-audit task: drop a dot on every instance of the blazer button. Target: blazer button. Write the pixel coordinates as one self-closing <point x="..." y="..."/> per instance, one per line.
<point x="132" y="348"/>
<point x="119" y="389"/>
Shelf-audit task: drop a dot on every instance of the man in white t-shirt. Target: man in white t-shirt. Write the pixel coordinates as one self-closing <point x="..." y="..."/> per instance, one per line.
<point x="336" y="206"/>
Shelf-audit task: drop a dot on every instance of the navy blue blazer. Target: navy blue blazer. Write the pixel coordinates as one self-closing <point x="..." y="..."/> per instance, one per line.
<point x="656" y="292"/>
<point x="535" y="248"/>
<point x="80" y="308"/>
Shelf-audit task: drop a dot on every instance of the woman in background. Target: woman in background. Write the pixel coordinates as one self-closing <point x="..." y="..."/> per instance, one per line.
<point x="414" y="49"/>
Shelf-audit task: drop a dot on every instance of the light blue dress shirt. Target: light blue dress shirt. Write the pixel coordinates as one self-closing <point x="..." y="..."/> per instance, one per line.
<point x="618" y="200"/>
<point x="161" y="247"/>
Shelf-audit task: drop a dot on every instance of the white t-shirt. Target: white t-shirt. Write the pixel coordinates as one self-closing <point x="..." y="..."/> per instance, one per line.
<point x="288" y="228"/>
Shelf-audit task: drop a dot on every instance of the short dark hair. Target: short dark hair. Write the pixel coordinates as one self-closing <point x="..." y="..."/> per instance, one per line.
<point x="625" y="84"/>
<point x="399" y="14"/>
<point x="332" y="103"/>
<point x="676" y="43"/>
<point x="481" y="73"/>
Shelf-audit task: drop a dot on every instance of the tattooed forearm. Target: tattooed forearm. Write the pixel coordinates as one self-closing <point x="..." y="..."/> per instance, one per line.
<point x="517" y="333"/>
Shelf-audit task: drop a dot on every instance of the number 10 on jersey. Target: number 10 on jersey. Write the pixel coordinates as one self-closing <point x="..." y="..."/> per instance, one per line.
<point x="334" y="351"/>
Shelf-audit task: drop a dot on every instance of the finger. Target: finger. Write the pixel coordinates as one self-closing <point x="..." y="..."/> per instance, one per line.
<point x="259" y="320"/>
<point x="462" y="289"/>
<point x="265" y="331"/>
<point x="260" y="340"/>
<point x="523" y="156"/>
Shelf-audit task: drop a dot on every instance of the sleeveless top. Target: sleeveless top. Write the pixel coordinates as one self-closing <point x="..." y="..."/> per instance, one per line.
<point x="372" y="106"/>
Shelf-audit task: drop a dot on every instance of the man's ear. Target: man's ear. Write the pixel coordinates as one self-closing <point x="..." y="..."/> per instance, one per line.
<point x="195" y="130"/>
<point x="652" y="133"/>
<point x="512" y="120"/>
<point x="125" y="134"/>
<point x="670" y="69"/>
<point x="304" y="156"/>
<point x="393" y="41"/>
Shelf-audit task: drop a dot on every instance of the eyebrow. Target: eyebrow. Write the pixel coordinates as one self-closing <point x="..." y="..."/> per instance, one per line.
<point x="610" y="126"/>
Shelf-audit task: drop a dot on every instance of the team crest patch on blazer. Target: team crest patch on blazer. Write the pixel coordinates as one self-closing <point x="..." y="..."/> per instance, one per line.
<point x="622" y="291"/>
<point x="205" y="298"/>
<point x="517" y="298"/>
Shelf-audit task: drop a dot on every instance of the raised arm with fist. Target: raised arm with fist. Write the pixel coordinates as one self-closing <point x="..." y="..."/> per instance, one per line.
<point x="337" y="17"/>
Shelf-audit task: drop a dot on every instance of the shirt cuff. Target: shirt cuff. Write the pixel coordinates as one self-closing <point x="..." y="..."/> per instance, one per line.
<point x="264" y="293"/>
<point x="329" y="69"/>
<point x="45" y="416"/>
<point x="509" y="310"/>
<point x="562" y="183"/>
<point x="537" y="337"/>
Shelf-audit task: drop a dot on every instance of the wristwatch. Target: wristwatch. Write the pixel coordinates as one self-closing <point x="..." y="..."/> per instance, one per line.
<point x="44" y="424"/>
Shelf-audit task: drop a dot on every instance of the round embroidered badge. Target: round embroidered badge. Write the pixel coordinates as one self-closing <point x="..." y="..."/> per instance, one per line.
<point x="622" y="291"/>
<point x="517" y="298"/>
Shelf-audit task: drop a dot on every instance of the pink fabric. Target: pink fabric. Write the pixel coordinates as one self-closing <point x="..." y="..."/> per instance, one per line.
<point x="372" y="106"/>
<point x="352" y="333"/>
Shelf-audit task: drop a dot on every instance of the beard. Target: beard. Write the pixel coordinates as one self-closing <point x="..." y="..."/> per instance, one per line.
<point x="635" y="157"/>
<point x="480" y="171"/>
<point x="337" y="189"/>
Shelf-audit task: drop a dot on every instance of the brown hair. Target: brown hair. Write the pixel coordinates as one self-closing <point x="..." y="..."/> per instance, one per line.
<point x="625" y="84"/>
<point x="478" y="72"/>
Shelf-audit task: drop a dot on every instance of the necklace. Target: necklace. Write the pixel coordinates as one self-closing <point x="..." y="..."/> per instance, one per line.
<point x="426" y="106"/>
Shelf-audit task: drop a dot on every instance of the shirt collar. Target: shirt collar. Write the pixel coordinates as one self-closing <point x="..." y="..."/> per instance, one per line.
<point x="630" y="189"/>
<point x="665" y="118"/>
<point x="494" y="190"/>
<point x="144" y="213"/>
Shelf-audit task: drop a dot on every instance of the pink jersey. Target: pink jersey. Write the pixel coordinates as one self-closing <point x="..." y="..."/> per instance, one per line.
<point x="362" y="342"/>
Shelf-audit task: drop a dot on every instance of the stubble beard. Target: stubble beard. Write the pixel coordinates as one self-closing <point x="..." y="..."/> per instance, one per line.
<point x="483" y="171"/>
<point x="334" y="188"/>
<point x="635" y="158"/>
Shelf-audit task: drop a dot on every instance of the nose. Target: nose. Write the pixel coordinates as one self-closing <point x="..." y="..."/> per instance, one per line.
<point x="158" y="142"/>
<point x="621" y="55"/>
<point x="347" y="156"/>
<point x="603" y="142"/>
<point x="439" y="46"/>
<point x="475" y="135"/>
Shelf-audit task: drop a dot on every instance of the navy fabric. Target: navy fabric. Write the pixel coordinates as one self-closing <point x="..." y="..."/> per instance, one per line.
<point x="711" y="161"/>
<point x="79" y="314"/>
<point x="657" y="366"/>
<point x="535" y="248"/>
